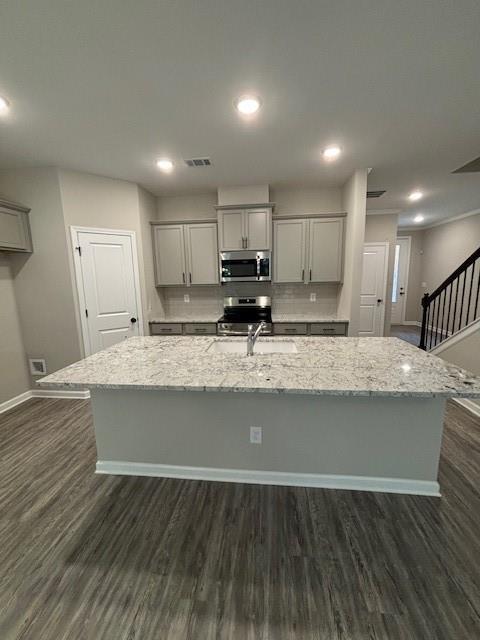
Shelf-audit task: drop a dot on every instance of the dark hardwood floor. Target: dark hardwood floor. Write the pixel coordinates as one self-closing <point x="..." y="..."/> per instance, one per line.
<point x="86" y="557"/>
<point x="410" y="333"/>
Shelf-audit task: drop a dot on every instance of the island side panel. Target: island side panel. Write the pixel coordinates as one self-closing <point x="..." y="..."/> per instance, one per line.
<point x="381" y="438"/>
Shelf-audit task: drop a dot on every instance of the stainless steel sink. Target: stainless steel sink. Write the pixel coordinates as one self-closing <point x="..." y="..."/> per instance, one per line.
<point x="261" y="347"/>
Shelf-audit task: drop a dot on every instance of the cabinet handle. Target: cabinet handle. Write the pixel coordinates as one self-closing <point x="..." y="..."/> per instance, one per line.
<point x="246" y="242"/>
<point x="190" y="277"/>
<point x="183" y="278"/>
<point x="303" y="275"/>
<point x="310" y="275"/>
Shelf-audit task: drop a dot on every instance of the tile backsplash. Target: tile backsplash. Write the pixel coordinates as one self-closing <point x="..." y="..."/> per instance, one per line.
<point x="286" y="298"/>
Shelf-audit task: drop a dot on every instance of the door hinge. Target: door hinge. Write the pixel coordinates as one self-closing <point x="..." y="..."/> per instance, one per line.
<point x="86" y="313"/>
<point x="79" y="249"/>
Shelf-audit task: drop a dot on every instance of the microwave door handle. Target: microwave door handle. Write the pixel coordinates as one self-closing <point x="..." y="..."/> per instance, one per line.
<point x="258" y="267"/>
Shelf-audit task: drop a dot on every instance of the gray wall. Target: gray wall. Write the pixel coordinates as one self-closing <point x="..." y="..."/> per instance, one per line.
<point x="446" y="246"/>
<point x="42" y="280"/>
<point x="464" y="352"/>
<point x="14" y="378"/>
<point x="96" y="201"/>
<point x="383" y="228"/>
<point x="354" y="203"/>
<point x="435" y="253"/>
<point x="413" y="307"/>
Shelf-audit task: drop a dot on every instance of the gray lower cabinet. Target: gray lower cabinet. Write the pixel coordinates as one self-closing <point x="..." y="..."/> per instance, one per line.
<point x="310" y="329"/>
<point x="166" y="328"/>
<point x="328" y="329"/>
<point x="284" y="329"/>
<point x="14" y="228"/>
<point x="200" y="328"/>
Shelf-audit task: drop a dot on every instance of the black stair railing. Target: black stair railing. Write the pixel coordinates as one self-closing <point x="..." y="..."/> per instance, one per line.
<point x="453" y="305"/>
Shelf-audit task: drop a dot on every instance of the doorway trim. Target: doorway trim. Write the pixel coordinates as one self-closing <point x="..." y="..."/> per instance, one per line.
<point x="407" y="273"/>
<point x="385" y="279"/>
<point x="74" y="231"/>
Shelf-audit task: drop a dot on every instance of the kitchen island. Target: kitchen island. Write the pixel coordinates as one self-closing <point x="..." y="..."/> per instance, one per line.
<point x="353" y="413"/>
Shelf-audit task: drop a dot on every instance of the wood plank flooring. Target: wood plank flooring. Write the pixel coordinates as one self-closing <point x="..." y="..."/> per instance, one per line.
<point x="409" y="333"/>
<point x="86" y="557"/>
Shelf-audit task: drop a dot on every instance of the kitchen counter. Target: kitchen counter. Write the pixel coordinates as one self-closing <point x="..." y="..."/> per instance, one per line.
<point x="307" y="317"/>
<point x="200" y="317"/>
<point x="345" y="413"/>
<point x="322" y="366"/>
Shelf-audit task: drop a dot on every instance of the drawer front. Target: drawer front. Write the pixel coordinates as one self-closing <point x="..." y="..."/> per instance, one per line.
<point x="165" y="328"/>
<point x="283" y="329"/>
<point x="201" y="328"/>
<point x="326" y="329"/>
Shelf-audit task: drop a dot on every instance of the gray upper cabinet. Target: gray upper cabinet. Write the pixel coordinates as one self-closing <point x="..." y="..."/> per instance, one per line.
<point x="245" y="229"/>
<point x="169" y="247"/>
<point x="185" y="254"/>
<point x="14" y="228"/>
<point x="289" y="259"/>
<point x="202" y="253"/>
<point x="308" y="250"/>
<point x="231" y="230"/>
<point x="325" y="250"/>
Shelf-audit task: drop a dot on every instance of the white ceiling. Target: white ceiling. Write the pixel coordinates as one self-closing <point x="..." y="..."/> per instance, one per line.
<point x="107" y="87"/>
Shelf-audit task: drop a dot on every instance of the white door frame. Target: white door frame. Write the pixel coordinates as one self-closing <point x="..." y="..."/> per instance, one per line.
<point x="74" y="231"/>
<point x="407" y="274"/>
<point x="385" y="279"/>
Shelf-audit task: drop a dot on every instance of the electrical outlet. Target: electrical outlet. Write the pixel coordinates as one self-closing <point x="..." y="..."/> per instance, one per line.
<point x="313" y="297"/>
<point x="424" y="285"/>
<point x="256" y="435"/>
<point x="186" y="297"/>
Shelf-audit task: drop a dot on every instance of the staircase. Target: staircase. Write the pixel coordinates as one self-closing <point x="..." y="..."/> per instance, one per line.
<point x="453" y="305"/>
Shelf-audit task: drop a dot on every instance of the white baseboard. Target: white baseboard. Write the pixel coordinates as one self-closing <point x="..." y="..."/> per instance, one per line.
<point x="413" y="323"/>
<point x="323" y="481"/>
<point x="470" y="405"/>
<point x="13" y="402"/>
<point x="43" y="393"/>
<point x="60" y="393"/>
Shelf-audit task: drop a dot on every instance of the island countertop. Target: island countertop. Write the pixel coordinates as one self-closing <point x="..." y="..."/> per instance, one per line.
<point x="322" y="366"/>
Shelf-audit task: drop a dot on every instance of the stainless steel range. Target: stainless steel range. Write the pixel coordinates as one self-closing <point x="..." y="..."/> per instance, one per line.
<point x="240" y="312"/>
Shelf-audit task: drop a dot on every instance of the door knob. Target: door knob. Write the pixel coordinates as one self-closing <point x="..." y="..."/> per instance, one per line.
<point x="379" y="300"/>
<point x="133" y="320"/>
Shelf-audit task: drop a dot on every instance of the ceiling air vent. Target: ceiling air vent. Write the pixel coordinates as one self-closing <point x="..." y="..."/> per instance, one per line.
<point x="471" y="167"/>
<point x="375" y="194"/>
<point x="198" y="162"/>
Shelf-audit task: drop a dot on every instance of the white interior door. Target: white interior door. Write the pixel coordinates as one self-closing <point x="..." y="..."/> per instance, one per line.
<point x="372" y="294"/>
<point x="107" y="279"/>
<point x="400" y="279"/>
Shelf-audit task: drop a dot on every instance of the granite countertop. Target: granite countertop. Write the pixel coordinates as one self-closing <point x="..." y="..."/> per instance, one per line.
<point x="304" y="317"/>
<point x="322" y="366"/>
<point x="200" y="317"/>
<point x="276" y="317"/>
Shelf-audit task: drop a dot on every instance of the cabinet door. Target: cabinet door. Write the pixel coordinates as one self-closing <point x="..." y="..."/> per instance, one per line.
<point x="289" y="250"/>
<point x="169" y="255"/>
<point x="202" y="253"/>
<point x="231" y="231"/>
<point x="258" y="224"/>
<point x="326" y="250"/>
<point x="14" y="230"/>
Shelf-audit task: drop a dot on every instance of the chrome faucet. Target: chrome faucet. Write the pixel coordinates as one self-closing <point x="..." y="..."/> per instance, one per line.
<point x="253" y="335"/>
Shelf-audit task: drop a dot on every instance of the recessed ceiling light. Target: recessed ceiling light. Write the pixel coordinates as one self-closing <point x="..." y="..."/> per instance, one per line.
<point x="415" y="195"/>
<point x="406" y="367"/>
<point x="165" y="165"/>
<point x="418" y="218"/>
<point x="332" y="153"/>
<point x="248" y="105"/>
<point x="4" y="106"/>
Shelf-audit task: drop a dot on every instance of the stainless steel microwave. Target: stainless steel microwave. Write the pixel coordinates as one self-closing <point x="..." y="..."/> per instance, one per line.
<point x="245" y="266"/>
